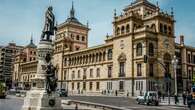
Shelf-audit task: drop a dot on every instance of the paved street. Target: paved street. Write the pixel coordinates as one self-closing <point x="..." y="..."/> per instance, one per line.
<point x="11" y="103"/>
<point x="15" y="103"/>
<point x="123" y="102"/>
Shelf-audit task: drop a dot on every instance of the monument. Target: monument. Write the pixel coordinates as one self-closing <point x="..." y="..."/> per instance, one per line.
<point x="42" y="95"/>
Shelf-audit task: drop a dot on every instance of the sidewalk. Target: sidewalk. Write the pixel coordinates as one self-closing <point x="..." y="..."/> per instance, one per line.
<point x="172" y="102"/>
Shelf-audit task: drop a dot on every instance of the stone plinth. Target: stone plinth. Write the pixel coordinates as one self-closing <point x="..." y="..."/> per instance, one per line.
<point x="40" y="100"/>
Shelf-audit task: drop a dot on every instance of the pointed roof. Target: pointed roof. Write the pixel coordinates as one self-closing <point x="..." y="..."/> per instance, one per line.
<point x="31" y="44"/>
<point x="72" y="18"/>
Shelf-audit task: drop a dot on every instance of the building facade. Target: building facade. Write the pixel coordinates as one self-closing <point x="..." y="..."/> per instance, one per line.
<point x="134" y="59"/>
<point x="7" y="57"/>
<point x="117" y="66"/>
<point x="25" y="66"/>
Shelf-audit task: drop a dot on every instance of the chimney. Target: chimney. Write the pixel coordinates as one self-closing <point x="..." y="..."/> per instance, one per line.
<point x="182" y="40"/>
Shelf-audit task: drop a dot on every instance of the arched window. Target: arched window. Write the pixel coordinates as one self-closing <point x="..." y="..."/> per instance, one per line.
<point x="110" y="54"/>
<point x="165" y="29"/>
<point x="72" y="36"/>
<point x="170" y="30"/>
<point x="90" y="59"/>
<point x="83" y="60"/>
<point x="151" y="49"/>
<point x="83" y="38"/>
<point x="87" y="58"/>
<point x="153" y="27"/>
<point x="100" y="57"/>
<point x="118" y="31"/>
<point x="122" y="30"/>
<point x="93" y="58"/>
<point x="104" y="56"/>
<point x="139" y="49"/>
<point x="80" y="61"/>
<point x="97" y="55"/>
<point x="127" y="28"/>
<point x="77" y="37"/>
<point x="161" y="28"/>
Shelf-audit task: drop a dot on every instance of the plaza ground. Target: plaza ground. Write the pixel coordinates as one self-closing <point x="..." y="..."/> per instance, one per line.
<point x="15" y="103"/>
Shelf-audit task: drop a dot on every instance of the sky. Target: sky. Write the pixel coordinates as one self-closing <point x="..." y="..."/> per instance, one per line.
<point x="19" y="19"/>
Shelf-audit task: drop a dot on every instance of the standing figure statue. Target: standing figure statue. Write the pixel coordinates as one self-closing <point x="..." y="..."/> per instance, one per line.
<point x="49" y="27"/>
<point x="51" y="80"/>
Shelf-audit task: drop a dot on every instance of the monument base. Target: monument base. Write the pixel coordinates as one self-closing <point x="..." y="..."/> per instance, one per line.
<point x="40" y="100"/>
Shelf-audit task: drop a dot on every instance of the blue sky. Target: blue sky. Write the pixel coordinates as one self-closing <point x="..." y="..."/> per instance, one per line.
<point x="20" y="18"/>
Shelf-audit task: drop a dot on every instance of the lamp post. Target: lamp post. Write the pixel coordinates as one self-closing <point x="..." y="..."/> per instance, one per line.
<point x="175" y="62"/>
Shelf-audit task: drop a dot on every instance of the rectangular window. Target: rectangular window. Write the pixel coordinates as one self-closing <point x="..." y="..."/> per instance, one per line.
<point x="72" y="86"/>
<point x="190" y="74"/>
<point x="194" y="59"/>
<point x="121" y="86"/>
<point x="78" y="86"/>
<point x="97" y="85"/>
<point x="151" y="70"/>
<point x="91" y="73"/>
<point x="98" y="72"/>
<point x="79" y="74"/>
<point x="65" y="74"/>
<point x="109" y="71"/>
<point x="109" y="85"/>
<point x="122" y="69"/>
<point x="139" y="70"/>
<point x="189" y="58"/>
<point x="84" y="85"/>
<point x="84" y="74"/>
<point x="90" y="86"/>
<point x="73" y="75"/>
<point x="139" y="85"/>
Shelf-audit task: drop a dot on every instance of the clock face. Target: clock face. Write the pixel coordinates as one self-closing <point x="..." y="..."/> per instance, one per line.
<point x="166" y="43"/>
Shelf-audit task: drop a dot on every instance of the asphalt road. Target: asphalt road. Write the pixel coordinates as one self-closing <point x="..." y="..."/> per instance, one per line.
<point x="15" y="103"/>
<point x="11" y="103"/>
<point x="123" y="102"/>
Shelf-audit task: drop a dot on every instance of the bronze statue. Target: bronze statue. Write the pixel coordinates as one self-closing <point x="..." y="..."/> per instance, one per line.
<point x="49" y="27"/>
<point x="51" y="80"/>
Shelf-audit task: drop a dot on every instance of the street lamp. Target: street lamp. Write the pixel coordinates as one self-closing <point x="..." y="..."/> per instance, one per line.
<point x="175" y="62"/>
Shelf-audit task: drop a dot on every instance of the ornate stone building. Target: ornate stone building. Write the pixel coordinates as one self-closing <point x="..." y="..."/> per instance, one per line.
<point x="25" y="66"/>
<point x="117" y="66"/>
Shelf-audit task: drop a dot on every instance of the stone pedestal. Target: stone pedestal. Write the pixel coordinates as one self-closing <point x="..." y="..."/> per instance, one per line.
<point x="37" y="98"/>
<point x="40" y="100"/>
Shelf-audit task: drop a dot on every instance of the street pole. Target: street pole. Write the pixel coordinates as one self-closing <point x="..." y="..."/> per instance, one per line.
<point x="175" y="62"/>
<point x="169" y="92"/>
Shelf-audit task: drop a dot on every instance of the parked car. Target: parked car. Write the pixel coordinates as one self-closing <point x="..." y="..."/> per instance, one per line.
<point x="62" y="92"/>
<point x="18" y="94"/>
<point x="149" y="98"/>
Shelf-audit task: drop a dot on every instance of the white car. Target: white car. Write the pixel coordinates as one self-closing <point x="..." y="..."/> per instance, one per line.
<point x="149" y="97"/>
